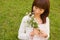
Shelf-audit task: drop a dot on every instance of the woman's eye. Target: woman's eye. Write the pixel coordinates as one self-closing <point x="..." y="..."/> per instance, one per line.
<point x="40" y="9"/>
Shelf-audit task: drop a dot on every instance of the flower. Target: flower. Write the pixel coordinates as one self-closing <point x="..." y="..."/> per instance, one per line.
<point x="33" y="22"/>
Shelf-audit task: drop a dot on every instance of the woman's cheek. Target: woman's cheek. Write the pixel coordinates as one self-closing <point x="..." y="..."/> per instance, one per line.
<point x="38" y="12"/>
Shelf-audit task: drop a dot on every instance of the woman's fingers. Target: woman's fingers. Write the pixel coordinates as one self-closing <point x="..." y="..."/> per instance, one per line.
<point x="32" y="33"/>
<point x="36" y="31"/>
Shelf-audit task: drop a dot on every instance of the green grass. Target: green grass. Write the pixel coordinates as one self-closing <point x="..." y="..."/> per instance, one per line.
<point x="12" y="11"/>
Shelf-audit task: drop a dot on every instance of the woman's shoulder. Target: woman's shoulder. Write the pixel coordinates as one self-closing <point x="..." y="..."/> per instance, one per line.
<point x="26" y="17"/>
<point x="47" y="20"/>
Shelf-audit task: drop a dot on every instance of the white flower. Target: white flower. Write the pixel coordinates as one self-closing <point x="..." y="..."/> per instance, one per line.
<point x="26" y="13"/>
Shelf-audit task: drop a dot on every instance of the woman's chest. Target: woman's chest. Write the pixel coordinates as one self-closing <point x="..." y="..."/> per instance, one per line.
<point x="30" y="28"/>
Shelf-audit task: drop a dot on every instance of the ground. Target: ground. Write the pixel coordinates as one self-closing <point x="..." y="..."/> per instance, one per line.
<point x="12" y="12"/>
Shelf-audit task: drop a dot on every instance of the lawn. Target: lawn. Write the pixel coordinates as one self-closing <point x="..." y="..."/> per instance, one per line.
<point x="12" y="12"/>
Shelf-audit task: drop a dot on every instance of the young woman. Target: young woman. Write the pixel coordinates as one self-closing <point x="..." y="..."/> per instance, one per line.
<point x="40" y="10"/>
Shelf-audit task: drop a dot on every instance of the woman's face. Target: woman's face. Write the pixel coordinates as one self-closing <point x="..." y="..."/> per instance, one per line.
<point x="37" y="11"/>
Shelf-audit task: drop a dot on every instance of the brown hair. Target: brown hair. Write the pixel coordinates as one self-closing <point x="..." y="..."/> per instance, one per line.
<point x="44" y="4"/>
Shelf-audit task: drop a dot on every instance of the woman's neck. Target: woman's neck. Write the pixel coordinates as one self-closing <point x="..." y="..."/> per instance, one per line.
<point x="38" y="18"/>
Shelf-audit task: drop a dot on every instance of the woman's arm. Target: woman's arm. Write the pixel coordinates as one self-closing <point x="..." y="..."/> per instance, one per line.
<point x="22" y="30"/>
<point x="45" y="33"/>
<point x="40" y="33"/>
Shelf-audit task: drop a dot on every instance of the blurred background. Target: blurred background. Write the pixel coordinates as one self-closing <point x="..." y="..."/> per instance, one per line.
<point x="12" y="12"/>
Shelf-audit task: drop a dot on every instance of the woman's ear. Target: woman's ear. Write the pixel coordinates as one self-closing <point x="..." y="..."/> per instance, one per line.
<point x="42" y="10"/>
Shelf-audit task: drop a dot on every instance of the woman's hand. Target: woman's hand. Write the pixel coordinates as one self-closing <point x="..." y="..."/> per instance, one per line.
<point x="32" y="33"/>
<point x="36" y="31"/>
<point x="43" y="34"/>
<point x="40" y="33"/>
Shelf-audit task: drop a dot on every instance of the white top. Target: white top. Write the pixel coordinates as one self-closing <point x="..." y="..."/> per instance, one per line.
<point x="25" y="29"/>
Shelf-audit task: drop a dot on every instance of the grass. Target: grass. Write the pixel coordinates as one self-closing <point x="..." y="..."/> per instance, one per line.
<point x="12" y="11"/>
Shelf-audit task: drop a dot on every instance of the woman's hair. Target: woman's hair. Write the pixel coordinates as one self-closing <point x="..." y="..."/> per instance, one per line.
<point x="42" y="4"/>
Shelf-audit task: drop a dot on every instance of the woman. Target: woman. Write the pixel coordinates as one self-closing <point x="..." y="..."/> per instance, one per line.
<point x="40" y="10"/>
